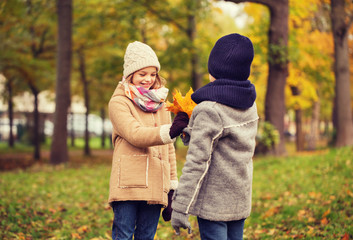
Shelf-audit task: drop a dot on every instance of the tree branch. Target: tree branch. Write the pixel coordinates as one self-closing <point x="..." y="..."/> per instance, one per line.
<point x="164" y="17"/>
<point x="267" y="3"/>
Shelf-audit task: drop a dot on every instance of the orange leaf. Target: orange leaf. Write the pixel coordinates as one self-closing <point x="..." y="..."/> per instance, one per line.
<point x="324" y="221"/>
<point x="52" y="210"/>
<point x="181" y="104"/>
<point x="349" y="193"/>
<point x="272" y="211"/>
<point x="326" y="213"/>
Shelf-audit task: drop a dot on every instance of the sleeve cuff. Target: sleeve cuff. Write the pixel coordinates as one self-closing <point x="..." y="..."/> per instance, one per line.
<point x="174" y="184"/>
<point x="164" y="133"/>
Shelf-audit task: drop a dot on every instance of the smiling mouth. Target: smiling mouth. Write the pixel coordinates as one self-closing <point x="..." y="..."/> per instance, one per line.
<point x="145" y="85"/>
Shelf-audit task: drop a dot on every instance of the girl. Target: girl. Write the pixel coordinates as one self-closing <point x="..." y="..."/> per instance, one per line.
<point x="144" y="166"/>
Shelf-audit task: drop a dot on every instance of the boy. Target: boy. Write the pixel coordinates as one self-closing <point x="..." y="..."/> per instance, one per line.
<point x="216" y="181"/>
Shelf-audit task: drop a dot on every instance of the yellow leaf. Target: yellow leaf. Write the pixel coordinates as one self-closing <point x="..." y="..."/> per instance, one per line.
<point x="271" y="232"/>
<point x="82" y="229"/>
<point x="75" y="236"/>
<point x="310" y="231"/>
<point x="181" y="104"/>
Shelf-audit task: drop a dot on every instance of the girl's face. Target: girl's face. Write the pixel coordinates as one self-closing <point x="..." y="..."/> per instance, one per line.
<point x="145" y="77"/>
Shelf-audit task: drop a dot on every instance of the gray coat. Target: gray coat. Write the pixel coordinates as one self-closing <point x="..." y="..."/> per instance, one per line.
<point x="216" y="180"/>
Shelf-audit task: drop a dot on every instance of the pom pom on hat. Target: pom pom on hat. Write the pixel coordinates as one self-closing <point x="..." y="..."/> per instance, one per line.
<point x="231" y="58"/>
<point x="137" y="56"/>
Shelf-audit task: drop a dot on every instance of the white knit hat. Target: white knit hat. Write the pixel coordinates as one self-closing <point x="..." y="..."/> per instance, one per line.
<point x="137" y="56"/>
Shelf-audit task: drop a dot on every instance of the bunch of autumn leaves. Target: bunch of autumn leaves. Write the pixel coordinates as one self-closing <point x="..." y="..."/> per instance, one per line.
<point x="181" y="103"/>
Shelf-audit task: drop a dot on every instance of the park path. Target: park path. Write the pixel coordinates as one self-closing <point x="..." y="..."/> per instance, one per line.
<point x="24" y="160"/>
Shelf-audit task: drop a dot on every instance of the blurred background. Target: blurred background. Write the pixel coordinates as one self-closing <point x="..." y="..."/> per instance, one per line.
<point x="296" y="70"/>
<point x="60" y="62"/>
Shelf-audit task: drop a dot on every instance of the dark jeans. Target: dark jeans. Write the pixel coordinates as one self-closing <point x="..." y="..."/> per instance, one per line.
<point x="216" y="230"/>
<point x="135" y="218"/>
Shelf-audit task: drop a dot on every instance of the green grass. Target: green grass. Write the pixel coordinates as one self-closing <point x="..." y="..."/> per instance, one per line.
<point x="308" y="196"/>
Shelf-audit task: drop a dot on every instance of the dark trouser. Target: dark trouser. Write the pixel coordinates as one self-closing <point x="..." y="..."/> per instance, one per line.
<point x="216" y="230"/>
<point x="135" y="218"/>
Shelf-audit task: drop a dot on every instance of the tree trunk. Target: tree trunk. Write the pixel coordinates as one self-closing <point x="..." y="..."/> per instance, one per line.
<point x="196" y="81"/>
<point x="343" y="113"/>
<point x="298" y="122"/>
<point x="9" y="85"/>
<point x="103" y="131"/>
<point x="72" y="131"/>
<point x="59" y="151"/>
<point x="314" y="129"/>
<point x="278" y="70"/>
<point x="82" y="68"/>
<point x="36" y="138"/>
<point x="299" y="129"/>
<point x="278" y="65"/>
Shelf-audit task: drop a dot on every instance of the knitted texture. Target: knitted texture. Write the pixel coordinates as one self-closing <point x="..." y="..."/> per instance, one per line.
<point x="180" y="122"/>
<point x="180" y="220"/>
<point x="231" y="57"/>
<point x="217" y="175"/>
<point x="236" y="94"/>
<point x="137" y="56"/>
<point x="167" y="212"/>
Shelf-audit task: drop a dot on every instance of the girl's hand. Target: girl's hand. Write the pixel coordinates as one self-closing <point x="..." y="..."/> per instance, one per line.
<point x="167" y="212"/>
<point x="180" y="122"/>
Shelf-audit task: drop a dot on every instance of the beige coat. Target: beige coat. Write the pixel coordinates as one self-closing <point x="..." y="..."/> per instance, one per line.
<point x="144" y="165"/>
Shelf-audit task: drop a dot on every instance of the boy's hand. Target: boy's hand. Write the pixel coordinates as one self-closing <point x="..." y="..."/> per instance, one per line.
<point x="180" y="220"/>
<point x="180" y="122"/>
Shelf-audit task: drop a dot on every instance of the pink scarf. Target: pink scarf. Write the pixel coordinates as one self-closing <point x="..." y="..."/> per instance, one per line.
<point x="149" y="100"/>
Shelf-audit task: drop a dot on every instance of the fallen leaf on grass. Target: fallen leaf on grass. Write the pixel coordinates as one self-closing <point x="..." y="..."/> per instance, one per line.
<point x="266" y="196"/>
<point x="327" y="212"/>
<point x="310" y="231"/>
<point x="75" y="236"/>
<point x="315" y="195"/>
<point x="271" y="232"/>
<point x="332" y="197"/>
<point x="82" y="229"/>
<point x="349" y="193"/>
<point x="345" y="237"/>
<point x="52" y="210"/>
<point x="324" y="221"/>
<point x="272" y="211"/>
<point x="302" y="214"/>
<point x="21" y="236"/>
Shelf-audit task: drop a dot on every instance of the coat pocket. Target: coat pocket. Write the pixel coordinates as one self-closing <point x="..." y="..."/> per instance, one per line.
<point x="133" y="171"/>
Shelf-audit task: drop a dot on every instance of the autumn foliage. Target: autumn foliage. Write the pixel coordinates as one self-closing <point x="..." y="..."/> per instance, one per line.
<point x="181" y="103"/>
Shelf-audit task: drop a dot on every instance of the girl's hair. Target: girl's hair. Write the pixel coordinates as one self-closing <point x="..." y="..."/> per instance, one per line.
<point x="160" y="81"/>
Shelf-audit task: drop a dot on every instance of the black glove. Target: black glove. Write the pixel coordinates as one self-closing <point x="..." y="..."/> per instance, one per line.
<point x="167" y="212"/>
<point x="180" y="122"/>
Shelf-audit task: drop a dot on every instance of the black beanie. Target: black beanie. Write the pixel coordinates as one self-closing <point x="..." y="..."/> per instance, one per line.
<point x="231" y="58"/>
